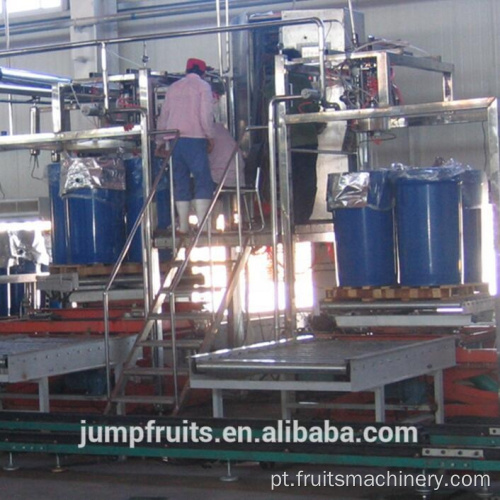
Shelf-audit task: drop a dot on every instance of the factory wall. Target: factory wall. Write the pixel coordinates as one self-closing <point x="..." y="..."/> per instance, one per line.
<point x="462" y="32"/>
<point x="16" y="180"/>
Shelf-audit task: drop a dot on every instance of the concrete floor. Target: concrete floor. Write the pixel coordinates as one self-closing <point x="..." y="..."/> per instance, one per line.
<point x="93" y="478"/>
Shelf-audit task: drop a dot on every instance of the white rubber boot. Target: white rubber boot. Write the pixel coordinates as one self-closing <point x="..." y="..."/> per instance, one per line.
<point x="183" y="215"/>
<point x="201" y="207"/>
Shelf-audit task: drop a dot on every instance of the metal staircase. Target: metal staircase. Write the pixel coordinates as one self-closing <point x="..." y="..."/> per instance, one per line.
<point x="167" y="349"/>
<point x="166" y="322"/>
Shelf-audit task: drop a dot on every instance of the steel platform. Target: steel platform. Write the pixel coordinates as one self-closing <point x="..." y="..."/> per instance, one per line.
<point x="456" y="312"/>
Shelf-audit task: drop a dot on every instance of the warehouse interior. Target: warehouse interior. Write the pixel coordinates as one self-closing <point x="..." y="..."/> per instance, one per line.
<point x="343" y="278"/>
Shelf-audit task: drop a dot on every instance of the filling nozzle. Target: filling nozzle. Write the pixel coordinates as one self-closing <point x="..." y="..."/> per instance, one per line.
<point x="34" y="126"/>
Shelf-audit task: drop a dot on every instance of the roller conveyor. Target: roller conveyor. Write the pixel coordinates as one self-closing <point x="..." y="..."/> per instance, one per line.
<point x="339" y="365"/>
<point x="281" y="357"/>
<point x="461" y="311"/>
<point x="26" y="358"/>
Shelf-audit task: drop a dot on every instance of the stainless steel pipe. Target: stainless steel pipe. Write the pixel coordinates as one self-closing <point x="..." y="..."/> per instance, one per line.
<point x="30" y="78"/>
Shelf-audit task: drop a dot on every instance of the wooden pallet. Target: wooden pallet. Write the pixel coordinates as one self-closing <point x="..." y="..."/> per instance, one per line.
<point x="85" y="270"/>
<point x="405" y="293"/>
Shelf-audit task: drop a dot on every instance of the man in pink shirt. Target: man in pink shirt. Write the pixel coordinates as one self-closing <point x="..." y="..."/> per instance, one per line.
<point x="188" y="107"/>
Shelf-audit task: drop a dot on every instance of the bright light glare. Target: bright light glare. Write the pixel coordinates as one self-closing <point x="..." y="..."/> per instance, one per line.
<point x="14" y="6"/>
<point x="450" y="310"/>
<point x="261" y="286"/>
<point x="44" y="225"/>
<point x="213" y="277"/>
<point x="488" y="249"/>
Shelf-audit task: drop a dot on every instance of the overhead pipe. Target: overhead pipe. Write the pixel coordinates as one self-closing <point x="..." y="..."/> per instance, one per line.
<point x="158" y="36"/>
<point x="6" y="20"/>
<point x="186" y="33"/>
<point x="223" y="70"/>
<point x="354" y="35"/>
<point x="105" y="77"/>
<point x="176" y="9"/>
<point x="18" y="101"/>
<point x="30" y="78"/>
<point x="142" y="13"/>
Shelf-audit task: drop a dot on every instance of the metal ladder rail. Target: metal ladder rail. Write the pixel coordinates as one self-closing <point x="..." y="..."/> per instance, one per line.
<point x="177" y="275"/>
<point x="156" y="308"/>
<point x="143" y="335"/>
<point x="119" y="262"/>
<point x="171" y="282"/>
<point x="214" y="329"/>
<point x="170" y="288"/>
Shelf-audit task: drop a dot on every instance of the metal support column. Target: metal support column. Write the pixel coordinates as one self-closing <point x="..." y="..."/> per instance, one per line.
<point x="380" y="404"/>
<point x="43" y="394"/>
<point x="217" y="403"/>
<point x="150" y="257"/>
<point x="493" y="171"/>
<point x="60" y="116"/>
<point x="439" y="396"/>
<point x="285" y="208"/>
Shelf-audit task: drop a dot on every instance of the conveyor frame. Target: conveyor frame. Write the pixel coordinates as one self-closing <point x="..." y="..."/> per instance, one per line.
<point x="26" y="358"/>
<point x="35" y="433"/>
<point x="368" y="366"/>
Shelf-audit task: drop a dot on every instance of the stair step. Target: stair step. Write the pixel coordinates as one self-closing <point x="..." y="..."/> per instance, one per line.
<point x="189" y="290"/>
<point x="196" y="279"/>
<point x="167" y="343"/>
<point x="153" y="372"/>
<point x="144" y="398"/>
<point x="200" y="263"/>
<point x="226" y="238"/>
<point x="194" y="315"/>
<point x="179" y="303"/>
<point x="188" y="279"/>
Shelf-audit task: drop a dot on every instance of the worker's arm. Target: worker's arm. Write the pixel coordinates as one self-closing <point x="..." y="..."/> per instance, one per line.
<point x="162" y="122"/>
<point x="207" y="114"/>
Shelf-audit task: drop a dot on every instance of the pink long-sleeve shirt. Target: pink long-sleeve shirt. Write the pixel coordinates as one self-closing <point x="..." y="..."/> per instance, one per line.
<point x="188" y="107"/>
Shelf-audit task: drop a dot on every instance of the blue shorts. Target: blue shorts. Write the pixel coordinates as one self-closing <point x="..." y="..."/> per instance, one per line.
<point x="190" y="158"/>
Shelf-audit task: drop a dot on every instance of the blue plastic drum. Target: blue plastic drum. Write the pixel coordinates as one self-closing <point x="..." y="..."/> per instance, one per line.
<point x="135" y="201"/>
<point x="58" y="216"/>
<point x="133" y="204"/>
<point x="364" y="238"/>
<point x="17" y="290"/>
<point x="4" y="297"/>
<point x="95" y="225"/>
<point x="428" y="215"/>
<point x="472" y="199"/>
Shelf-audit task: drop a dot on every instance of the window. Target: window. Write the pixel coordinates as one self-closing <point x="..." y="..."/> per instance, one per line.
<point x="33" y="6"/>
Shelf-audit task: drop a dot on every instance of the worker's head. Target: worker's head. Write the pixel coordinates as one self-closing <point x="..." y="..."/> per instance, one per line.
<point x="196" y="66"/>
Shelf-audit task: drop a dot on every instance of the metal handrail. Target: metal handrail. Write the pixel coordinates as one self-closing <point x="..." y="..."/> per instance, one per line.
<point x="181" y="269"/>
<point x="273" y="175"/>
<point x="224" y="304"/>
<point x="176" y="278"/>
<point x="123" y="254"/>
